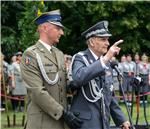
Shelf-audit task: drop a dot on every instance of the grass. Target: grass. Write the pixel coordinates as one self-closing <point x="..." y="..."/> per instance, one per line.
<point x="141" y="120"/>
<point x="19" y="117"/>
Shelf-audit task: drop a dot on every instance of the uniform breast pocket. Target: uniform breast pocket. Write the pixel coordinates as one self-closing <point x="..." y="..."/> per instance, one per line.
<point x="51" y="71"/>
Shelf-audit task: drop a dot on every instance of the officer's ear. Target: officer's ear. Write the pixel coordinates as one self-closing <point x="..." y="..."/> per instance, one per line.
<point x="91" y="41"/>
<point x="44" y="26"/>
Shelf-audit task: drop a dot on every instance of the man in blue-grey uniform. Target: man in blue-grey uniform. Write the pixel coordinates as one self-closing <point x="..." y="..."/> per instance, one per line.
<point x="94" y="102"/>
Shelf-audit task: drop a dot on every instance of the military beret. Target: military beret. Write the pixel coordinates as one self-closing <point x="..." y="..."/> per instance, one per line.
<point x="100" y="29"/>
<point x="53" y="17"/>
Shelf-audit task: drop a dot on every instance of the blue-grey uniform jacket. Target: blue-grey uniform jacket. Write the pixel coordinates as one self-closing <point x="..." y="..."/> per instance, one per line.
<point x="91" y="113"/>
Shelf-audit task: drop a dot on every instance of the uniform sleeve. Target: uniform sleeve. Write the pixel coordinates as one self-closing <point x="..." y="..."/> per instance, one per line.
<point x="82" y="74"/>
<point x="116" y="113"/>
<point x="39" y="95"/>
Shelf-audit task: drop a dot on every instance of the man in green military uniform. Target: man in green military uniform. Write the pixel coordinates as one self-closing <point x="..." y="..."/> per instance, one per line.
<point x="43" y="69"/>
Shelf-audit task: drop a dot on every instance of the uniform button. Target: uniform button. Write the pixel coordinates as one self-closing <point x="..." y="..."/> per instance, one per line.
<point x="61" y="89"/>
<point x="60" y="79"/>
<point x="55" y="114"/>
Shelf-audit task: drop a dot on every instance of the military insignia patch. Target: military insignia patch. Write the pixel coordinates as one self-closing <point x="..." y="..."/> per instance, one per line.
<point x="27" y="60"/>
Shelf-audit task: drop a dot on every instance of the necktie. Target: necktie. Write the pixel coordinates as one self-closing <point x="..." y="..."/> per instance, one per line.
<point x="53" y="53"/>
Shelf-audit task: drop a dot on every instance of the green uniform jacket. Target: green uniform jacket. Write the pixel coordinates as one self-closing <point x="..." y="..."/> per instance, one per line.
<point x="46" y="102"/>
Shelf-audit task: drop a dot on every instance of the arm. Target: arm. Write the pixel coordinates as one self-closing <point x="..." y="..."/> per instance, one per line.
<point x="117" y="115"/>
<point x="82" y="74"/>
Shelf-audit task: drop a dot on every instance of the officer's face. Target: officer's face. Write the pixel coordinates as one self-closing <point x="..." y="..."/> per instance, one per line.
<point x="54" y="33"/>
<point x="99" y="45"/>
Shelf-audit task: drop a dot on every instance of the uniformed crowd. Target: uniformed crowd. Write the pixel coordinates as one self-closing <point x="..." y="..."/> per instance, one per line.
<point x="12" y="83"/>
<point x="136" y="73"/>
<point x="45" y="74"/>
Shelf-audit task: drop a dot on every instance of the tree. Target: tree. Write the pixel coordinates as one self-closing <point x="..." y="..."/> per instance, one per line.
<point x="10" y="15"/>
<point x="127" y="20"/>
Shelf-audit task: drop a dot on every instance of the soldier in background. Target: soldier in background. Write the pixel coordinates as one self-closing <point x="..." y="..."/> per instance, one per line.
<point x="144" y="73"/>
<point x="10" y="74"/>
<point x="137" y="61"/>
<point x="115" y="76"/>
<point x="121" y="67"/>
<point x="129" y="69"/>
<point x="18" y="86"/>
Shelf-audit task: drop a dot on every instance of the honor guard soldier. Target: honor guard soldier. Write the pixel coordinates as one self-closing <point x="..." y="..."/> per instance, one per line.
<point x="144" y="73"/>
<point x="92" y="80"/>
<point x="43" y="69"/>
<point x="129" y="70"/>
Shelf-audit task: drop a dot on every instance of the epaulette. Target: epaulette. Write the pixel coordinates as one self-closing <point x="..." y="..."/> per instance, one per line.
<point x="82" y="53"/>
<point x="31" y="48"/>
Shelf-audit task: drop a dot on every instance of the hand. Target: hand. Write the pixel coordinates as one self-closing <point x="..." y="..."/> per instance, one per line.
<point x="114" y="49"/>
<point x="72" y="121"/>
<point x="126" y="125"/>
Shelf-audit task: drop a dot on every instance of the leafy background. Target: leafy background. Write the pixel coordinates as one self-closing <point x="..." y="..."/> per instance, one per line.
<point x="128" y="20"/>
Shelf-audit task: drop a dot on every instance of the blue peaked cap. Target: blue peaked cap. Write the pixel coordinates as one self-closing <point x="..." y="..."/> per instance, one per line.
<point x="52" y="17"/>
<point x="100" y="29"/>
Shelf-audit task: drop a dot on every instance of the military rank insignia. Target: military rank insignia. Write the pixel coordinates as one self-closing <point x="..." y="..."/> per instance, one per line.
<point x="27" y="60"/>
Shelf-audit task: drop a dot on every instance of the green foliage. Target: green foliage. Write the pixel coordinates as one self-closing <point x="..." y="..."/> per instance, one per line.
<point x="27" y="25"/>
<point x="128" y="20"/>
<point x="9" y="29"/>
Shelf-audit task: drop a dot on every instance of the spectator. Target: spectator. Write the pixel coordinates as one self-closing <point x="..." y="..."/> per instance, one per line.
<point x="18" y="88"/>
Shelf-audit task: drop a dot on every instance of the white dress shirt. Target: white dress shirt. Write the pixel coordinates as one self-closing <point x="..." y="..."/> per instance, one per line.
<point x="96" y="58"/>
<point x="46" y="45"/>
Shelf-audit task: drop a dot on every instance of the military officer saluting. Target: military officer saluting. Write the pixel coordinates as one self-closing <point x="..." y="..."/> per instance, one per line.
<point x="43" y="69"/>
<point x="92" y="79"/>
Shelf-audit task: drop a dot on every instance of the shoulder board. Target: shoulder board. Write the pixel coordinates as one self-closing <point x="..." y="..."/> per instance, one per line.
<point x="81" y="53"/>
<point x="31" y="48"/>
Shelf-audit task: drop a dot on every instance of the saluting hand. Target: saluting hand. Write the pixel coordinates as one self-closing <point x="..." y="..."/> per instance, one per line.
<point x="114" y="49"/>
